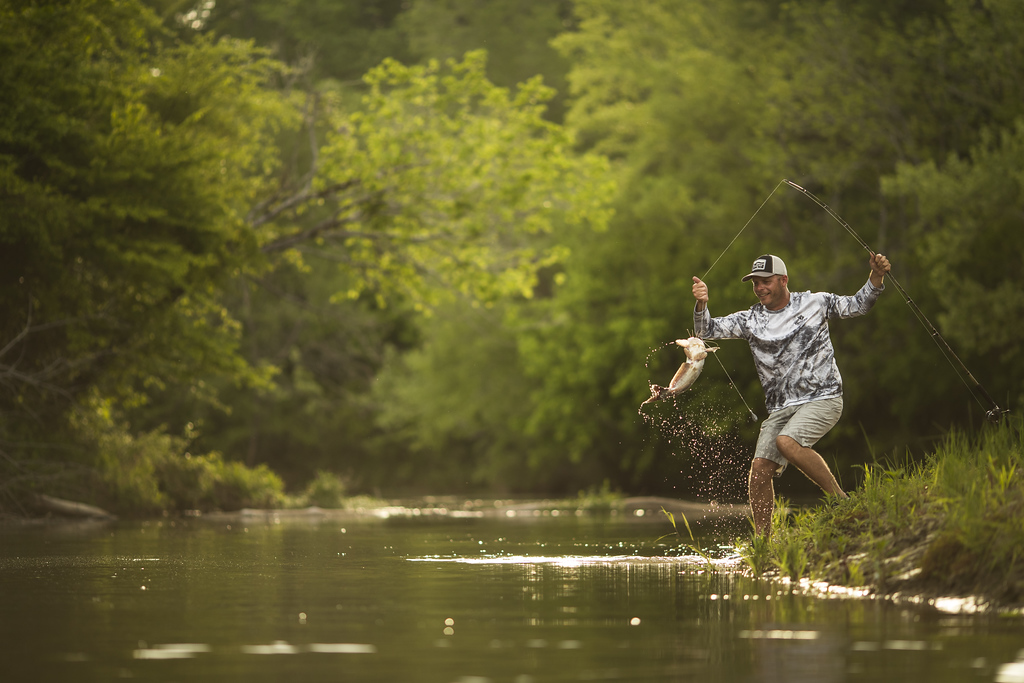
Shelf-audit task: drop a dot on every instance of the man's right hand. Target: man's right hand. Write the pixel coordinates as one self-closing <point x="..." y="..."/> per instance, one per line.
<point x="700" y="293"/>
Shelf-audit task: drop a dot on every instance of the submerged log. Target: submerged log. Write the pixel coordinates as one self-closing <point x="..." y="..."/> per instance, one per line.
<point x="71" y="508"/>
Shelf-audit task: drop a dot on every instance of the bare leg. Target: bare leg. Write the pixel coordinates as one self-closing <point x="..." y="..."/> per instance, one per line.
<point x="762" y="493"/>
<point x="810" y="463"/>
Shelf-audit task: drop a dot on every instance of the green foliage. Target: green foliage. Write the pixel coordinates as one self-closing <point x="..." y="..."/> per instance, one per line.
<point x="144" y="474"/>
<point x="200" y="234"/>
<point x="441" y="183"/>
<point x="327" y="355"/>
<point x="703" y="110"/>
<point x="126" y="169"/>
<point x="601" y="499"/>
<point x="208" y="482"/>
<point x="336" y="39"/>
<point x="452" y="405"/>
<point x="326" y="490"/>
<point x="515" y="33"/>
<point x="442" y="190"/>
<point x="791" y="558"/>
<point x="657" y="89"/>
<point x="143" y="188"/>
<point x="952" y="523"/>
<point x="967" y="211"/>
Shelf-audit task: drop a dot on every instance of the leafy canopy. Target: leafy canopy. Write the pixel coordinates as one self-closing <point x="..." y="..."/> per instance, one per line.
<point x="441" y="183"/>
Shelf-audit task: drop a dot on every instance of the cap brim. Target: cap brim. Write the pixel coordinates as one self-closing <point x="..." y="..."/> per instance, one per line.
<point x="760" y="273"/>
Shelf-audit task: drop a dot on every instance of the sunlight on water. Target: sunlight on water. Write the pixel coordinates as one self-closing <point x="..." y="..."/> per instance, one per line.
<point x="571" y="561"/>
<point x="441" y="598"/>
<point x="780" y="634"/>
<point x="280" y="647"/>
<point x="1012" y="672"/>
<point x="171" y="651"/>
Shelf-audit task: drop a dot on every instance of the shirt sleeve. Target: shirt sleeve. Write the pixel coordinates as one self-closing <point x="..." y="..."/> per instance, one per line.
<point x="730" y="327"/>
<point x="852" y="306"/>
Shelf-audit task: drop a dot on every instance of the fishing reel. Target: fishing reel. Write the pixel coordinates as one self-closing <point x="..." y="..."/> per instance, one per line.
<point x="996" y="414"/>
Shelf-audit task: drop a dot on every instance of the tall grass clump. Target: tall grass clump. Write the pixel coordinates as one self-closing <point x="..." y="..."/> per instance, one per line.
<point x="950" y="523"/>
<point x="761" y="552"/>
<point x="694" y="544"/>
<point x="979" y="487"/>
<point x="756" y="551"/>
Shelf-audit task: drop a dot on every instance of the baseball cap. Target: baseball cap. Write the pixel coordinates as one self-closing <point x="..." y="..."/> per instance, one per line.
<point x="766" y="265"/>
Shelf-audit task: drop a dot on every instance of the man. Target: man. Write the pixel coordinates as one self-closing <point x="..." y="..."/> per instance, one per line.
<point x="789" y="339"/>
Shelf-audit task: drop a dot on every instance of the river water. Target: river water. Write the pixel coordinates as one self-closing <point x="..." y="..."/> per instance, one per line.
<point x="447" y="597"/>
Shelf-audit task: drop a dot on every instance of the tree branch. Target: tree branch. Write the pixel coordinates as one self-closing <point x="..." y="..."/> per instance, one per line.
<point x="296" y="199"/>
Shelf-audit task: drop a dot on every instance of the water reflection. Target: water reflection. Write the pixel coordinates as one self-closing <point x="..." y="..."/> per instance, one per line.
<point x="442" y="598"/>
<point x="171" y="651"/>
<point x="798" y="655"/>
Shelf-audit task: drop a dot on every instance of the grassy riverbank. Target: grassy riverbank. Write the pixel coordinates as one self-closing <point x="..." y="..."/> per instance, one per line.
<point x="952" y="525"/>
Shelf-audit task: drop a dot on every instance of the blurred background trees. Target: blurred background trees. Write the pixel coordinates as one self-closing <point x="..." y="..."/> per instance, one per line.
<point x="438" y="246"/>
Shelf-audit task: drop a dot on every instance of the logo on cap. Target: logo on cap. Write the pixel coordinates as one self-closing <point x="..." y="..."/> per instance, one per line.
<point x="759" y="264"/>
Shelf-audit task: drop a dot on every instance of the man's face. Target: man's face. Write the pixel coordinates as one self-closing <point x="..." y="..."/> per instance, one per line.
<point x="771" y="291"/>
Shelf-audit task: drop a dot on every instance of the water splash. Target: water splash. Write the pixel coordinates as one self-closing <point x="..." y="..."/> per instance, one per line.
<point x="704" y="433"/>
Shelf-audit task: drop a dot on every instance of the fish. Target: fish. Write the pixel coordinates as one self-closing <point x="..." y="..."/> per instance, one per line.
<point x="688" y="372"/>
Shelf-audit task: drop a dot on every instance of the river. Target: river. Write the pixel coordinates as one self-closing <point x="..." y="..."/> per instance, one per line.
<point x="448" y="596"/>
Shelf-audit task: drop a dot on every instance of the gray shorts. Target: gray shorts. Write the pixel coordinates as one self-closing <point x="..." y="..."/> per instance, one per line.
<point x="805" y="424"/>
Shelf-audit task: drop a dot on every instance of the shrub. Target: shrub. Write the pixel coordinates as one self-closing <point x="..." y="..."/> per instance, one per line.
<point x="208" y="482"/>
<point x="326" y="490"/>
<point x="144" y="474"/>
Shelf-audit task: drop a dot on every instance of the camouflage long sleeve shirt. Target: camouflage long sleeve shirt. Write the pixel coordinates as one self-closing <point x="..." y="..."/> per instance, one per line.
<point x="792" y="348"/>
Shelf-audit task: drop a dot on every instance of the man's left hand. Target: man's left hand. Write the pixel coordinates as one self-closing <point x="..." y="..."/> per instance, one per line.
<point x="879" y="267"/>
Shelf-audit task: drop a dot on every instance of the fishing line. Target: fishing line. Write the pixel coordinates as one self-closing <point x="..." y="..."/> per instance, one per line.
<point x="753" y="415"/>
<point x="974" y="386"/>
<point x="742" y="229"/>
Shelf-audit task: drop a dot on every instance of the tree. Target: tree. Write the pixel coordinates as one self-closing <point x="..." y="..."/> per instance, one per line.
<point x="967" y="235"/>
<point x="441" y="182"/>
<point x="335" y="39"/>
<point x="515" y="33"/>
<point x="125" y="178"/>
<point x="451" y="409"/>
<point x="127" y="164"/>
<point x="442" y="191"/>
<point x="704" y="109"/>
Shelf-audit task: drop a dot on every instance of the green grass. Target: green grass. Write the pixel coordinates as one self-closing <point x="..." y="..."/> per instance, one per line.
<point x="694" y="544"/>
<point x="757" y="551"/>
<point x="599" y="500"/>
<point x="951" y="524"/>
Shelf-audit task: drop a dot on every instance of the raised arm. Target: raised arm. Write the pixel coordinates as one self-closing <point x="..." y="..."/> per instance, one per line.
<point x="879" y="267"/>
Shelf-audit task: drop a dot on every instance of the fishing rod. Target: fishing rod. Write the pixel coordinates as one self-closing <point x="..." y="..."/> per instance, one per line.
<point x="995" y="412"/>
